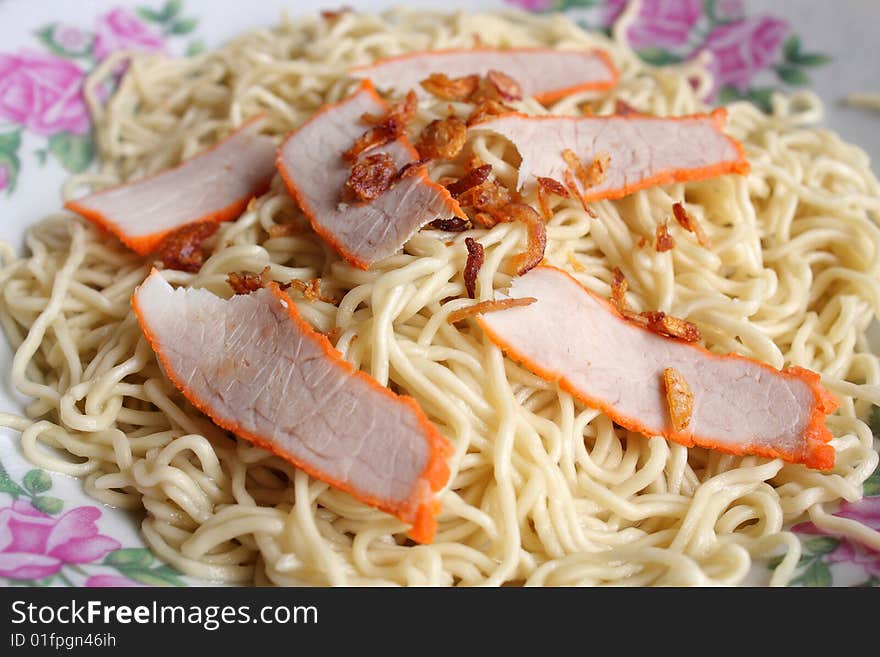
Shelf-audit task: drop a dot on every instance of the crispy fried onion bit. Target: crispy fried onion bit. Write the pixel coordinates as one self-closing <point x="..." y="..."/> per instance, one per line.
<point x="245" y="282"/>
<point x="473" y="178"/>
<point x="672" y="327"/>
<point x="488" y="93"/>
<point x="334" y="14"/>
<point x="504" y="85"/>
<point x="311" y="290"/>
<point x="370" y="177"/>
<point x="443" y="138"/>
<point x="488" y="203"/>
<point x="456" y="188"/>
<point x="536" y="232"/>
<point x="443" y="87"/>
<point x="475" y="258"/>
<point x="374" y="175"/>
<point x="384" y="129"/>
<point x="679" y="398"/>
<point x="665" y="241"/>
<point x="619" y="287"/>
<point x="486" y="109"/>
<point x="654" y="320"/>
<point x="488" y="307"/>
<point x="412" y="168"/>
<point x="546" y="188"/>
<point x="484" y="198"/>
<point x="690" y="224"/>
<point x="183" y="250"/>
<point x="453" y="225"/>
<point x="495" y="85"/>
<point x="589" y="175"/>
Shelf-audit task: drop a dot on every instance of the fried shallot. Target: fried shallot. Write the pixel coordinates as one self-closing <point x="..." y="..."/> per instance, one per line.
<point x="475" y="258"/>
<point x="182" y="249"/>
<point x="487" y="307"/>
<point x="679" y="398"/>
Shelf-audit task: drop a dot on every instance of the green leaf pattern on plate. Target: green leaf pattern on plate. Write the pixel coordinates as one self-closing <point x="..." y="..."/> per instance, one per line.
<point x="139" y="564"/>
<point x="66" y="41"/>
<point x="10" y="164"/>
<point x="75" y="152"/>
<point x="169" y="19"/>
<point x="37" y="481"/>
<point x="47" y="504"/>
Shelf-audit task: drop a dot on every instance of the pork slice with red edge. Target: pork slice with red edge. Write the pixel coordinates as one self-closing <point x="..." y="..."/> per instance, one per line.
<point x="312" y="165"/>
<point x="641" y="151"/>
<point x="215" y="185"/>
<point x="258" y="369"/>
<point x="740" y="405"/>
<point x="544" y="73"/>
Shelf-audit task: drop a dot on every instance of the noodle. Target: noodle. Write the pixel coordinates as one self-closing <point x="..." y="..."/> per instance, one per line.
<point x="543" y="490"/>
<point x="867" y="100"/>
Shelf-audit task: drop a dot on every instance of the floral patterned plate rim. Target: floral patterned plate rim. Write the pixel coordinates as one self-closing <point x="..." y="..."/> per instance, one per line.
<point x="51" y="532"/>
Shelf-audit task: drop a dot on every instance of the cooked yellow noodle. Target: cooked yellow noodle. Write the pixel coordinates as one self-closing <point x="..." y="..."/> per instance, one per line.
<point x="867" y="100"/>
<point x="543" y="491"/>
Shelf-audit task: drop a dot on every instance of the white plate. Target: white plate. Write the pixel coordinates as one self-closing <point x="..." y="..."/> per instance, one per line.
<point x="49" y="45"/>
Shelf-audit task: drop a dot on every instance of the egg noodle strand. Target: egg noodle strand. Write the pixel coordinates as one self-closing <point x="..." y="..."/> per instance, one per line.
<point x="544" y="491"/>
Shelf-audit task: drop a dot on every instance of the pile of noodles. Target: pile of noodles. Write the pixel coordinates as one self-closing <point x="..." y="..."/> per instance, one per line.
<point x="544" y="491"/>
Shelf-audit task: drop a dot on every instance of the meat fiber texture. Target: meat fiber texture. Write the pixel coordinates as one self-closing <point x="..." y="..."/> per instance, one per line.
<point x="257" y="369"/>
<point x="644" y="150"/>
<point x="741" y="406"/>
<point x="215" y="185"/>
<point x="543" y="73"/>
<point x="312" y="166"/>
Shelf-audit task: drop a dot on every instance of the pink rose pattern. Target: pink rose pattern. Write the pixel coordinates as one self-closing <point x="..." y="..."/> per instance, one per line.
<point x="842" y="549"/>
<point x="42" y="93"/>
<point x="744" y="49"/>
<point x="660" y="23"/>
<point x="119" y="29"/>
<point x="35" y="545"/>
<point x="4" y="177"/>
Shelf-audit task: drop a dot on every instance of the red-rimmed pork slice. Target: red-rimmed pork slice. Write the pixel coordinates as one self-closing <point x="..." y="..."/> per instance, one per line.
<point x="215" y="185"/>
<point x="637" y="151"/>
<point x="739" y="405"/>
<point x="544" y="73"/>
<point x="310" y="162"/>
<point x="258" y="369"/>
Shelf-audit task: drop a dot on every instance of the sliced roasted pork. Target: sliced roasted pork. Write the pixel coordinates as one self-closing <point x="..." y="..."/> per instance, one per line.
<point x="542" y="73"/>
<point x="316" y="174"/>
<point x="259" y="370"/>
<point x="215" y="185"/>
<point x="635" y="151"/>
<point x="729" y="403"/>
